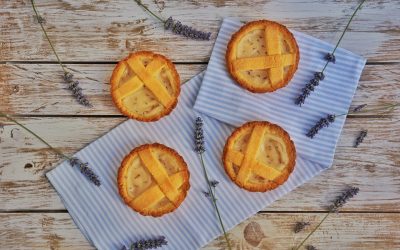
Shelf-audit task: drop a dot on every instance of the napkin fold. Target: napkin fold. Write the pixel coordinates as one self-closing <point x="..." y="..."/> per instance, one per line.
<point x="223" y="99"/>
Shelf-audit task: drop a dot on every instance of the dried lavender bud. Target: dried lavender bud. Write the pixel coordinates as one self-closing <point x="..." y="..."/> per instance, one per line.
<point x="40" y="19"/>
<point x="360" y="138"/>
<point x="323" y="122"/>
<point x="75" y="89"/>
<point x="168" y="23"/>
<point x="311" y="247"/>
<point x="206" y="194"/>
<point x="343" y="198"/>
<point x="330" y="58"/>
<point x="178" y="28"/>
<point x="314" y="81"/>
<point x="148" y="244"/>
<point x="199" y="136"/>
<point x="85" y="170"/>
<point x="68" y="77"/>
<point x="319" y="75"/>
<point x="359" y="107"/>
<point x="300" y="226"/>
<point x="214" y="183"/>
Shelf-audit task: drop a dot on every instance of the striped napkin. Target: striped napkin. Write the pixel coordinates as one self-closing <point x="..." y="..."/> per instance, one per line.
<point x="221" y="98"/>
<point x="108" y="223"/>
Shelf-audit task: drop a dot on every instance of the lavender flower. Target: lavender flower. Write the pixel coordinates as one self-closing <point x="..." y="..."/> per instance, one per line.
<point x="310" y="86"/>
<point x="148" y="244"/>
<point x="359" y="108"/>
<point x="85" y="170"/>
<point x="300" y="226"/>
<point x="199" y="136"/>
<point x="178" y="28"/>
<point x="360" y="138"/>
<point x="330" y="57"/>
<point x="343" y="198"/>
<point x="311" y="247"/>
<point x="206" y="194"/>
<point x="214" y="183"/>
<point x="200" y="149"/>
<point x="323" y="122"/>
<point x="76" y="90"/>
<point x="40" y="19"/>
<point x="73" y="86"/>
<point x="319" y="75"/>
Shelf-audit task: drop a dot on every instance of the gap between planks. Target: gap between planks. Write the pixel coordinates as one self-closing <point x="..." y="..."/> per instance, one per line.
<point x="61" y="211"/>
<point x="180" y="63"/>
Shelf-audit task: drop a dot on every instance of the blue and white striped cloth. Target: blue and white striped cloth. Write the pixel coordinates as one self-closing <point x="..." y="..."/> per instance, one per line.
<point x="108" y="223"/>
<point x="221" y="98"/>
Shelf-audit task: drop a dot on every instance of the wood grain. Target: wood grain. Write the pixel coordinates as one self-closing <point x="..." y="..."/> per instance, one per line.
<point x="37" y="89"/>
<point x="273" y="231"/>
<point x="106" y="31"/>
<point x="374" y="166"/>
<point x="93" y="34"/>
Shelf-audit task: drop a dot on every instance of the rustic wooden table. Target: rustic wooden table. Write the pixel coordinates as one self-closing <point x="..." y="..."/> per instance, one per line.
<point x="91" y="36"/>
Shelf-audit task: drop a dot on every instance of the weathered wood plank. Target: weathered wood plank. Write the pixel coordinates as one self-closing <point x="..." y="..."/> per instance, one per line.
<point x="38" y="89"/>
<point x="104" y="31"/>
<point x="374" y="166"/>
<point x="262" y="231"/>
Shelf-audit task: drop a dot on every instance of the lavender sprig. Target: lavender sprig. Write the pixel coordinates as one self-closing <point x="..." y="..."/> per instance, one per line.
<point x="147" y="244"/>
<point x="177" y="27"/>
<point x="339" y="202"/>
<point x="323" y="122"/>
<point x="85" y="170"/>
<point x="359" y="107"/>
<point x="360" y="138"/>
<point x="83" y="167"/>
<point x="68" y="77"/>
<point x="73" y="85"/>
<point x="300" y="226"/>
<point x="326" y="121"/>
<point x="200" y="149"/>
<point x="342" y="199"/>
<point x="330" y="58"/>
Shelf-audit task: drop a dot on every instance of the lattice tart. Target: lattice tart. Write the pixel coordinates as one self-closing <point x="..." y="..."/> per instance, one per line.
<point x="145" y="86"/>
<point x="262" y="56"/>
<point x="259" y="156"/>
<point x="153" y="179"/>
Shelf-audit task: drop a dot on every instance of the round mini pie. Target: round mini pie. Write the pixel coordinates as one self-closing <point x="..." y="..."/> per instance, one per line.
<point x="259" y="156"/>
<point x="153" y="179"/>
<point x="145" y="86"/>
<point x="262" y="56"/>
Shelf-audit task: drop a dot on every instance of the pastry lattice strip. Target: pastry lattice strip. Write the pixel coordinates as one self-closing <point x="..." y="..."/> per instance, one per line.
<point x="247" y="161"/>
<point x="274" y="61"/>
<point x="145" y="77"/>
<point x="165" y="187"/>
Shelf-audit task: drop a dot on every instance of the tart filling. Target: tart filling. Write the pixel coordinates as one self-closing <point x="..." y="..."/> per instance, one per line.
<point x="259" y="156"/>
<point x="153" y="179"/>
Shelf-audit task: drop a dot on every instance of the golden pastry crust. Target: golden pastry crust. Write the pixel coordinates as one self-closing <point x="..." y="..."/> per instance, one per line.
<point x="145" y="86"/>
<point x="256" y="52"/>
<point x="153" y="179"/>
<point x="259" y="156"/>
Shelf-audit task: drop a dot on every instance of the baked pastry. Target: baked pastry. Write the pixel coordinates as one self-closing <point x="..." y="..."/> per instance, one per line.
<point x="262" y="56"/>
<point x="145" y="86"/>
<point x="153" y="179"/>
<point x="259" y="156"/>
